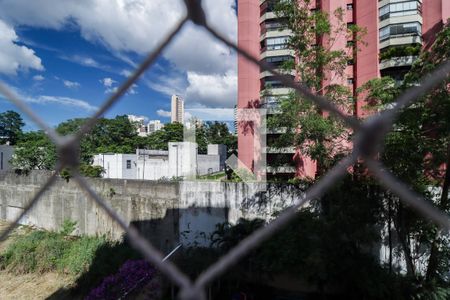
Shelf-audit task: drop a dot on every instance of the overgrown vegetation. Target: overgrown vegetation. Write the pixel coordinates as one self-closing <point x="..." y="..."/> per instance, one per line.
<point x="87" y="259"/>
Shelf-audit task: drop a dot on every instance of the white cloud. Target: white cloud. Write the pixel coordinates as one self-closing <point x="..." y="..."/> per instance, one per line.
<point x="71" y="84"/>
<point x="111" y="87"/>
<point x="212" y="90"/>
<point x="132" y="90"/>
<point x="212" y="114"/>
<point x="64" y="101"/>
<point x="45" y="99"/>
<point x="14" y="57"/>
<point x="86" y="61"/>
<point x="108" y="82"/>
<point x="138" y="26"/>
<point x="174" y="83"/>
<point x="38" y="77"/>
<point x="163" y="113"/>
<point x="125" y="73"/>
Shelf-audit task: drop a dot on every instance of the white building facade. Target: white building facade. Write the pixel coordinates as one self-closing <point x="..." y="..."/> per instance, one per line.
<point x="118" y="166"/>
<point x="180" y="161"/>
<point x="6" y="154"/>
<point x="154" y="125"/>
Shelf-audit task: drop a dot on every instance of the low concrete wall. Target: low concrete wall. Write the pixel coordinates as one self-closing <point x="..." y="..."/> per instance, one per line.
<point x="166" y="212"/>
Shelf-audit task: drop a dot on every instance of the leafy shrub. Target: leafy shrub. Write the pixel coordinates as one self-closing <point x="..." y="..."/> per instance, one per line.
<point x="91" y="171"/>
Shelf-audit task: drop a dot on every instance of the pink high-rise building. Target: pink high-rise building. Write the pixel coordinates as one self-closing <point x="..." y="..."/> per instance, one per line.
<point x="389" y="24"/>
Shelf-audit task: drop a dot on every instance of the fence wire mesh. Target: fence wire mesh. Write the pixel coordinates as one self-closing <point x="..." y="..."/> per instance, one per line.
<point x="370" y="135"/>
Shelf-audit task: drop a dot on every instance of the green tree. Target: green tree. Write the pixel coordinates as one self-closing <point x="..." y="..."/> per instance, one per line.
<point x="172" y="132"/>
<point x="218" y="133"/>
<point x="418" y="151"/>
<point x="11" y="124"/>
<point x="318" y="65"/>
<point x="34" y="150"/>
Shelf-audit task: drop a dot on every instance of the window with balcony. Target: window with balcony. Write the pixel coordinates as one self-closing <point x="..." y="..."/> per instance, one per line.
<point x="277" y="43"/>
<point x="414" y="28"/>
<point x="278" y="61"/>
<point x="275" y="25"/>
<point x="271" y="83"/>
<point x="268" y="6"/>
<point x="399" y="9"/>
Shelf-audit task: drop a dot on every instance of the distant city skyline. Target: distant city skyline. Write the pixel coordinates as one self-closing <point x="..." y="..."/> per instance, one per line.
<point x="64" y="66"/>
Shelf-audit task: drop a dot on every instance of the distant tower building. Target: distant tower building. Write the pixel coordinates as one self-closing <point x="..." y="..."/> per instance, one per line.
<point x="136" y="119"/>
<point x="177" y="109"/>
<point x="154" y="125"/>
<point x="138" y="122"/>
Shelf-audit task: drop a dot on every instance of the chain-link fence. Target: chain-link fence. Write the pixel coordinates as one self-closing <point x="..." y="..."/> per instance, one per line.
<point x="369" y="137"/>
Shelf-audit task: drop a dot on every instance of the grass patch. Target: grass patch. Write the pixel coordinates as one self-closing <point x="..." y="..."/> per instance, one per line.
<point x="215" y="176"/>
<point x="40" y="251"/>
<point x="87" y="259"/>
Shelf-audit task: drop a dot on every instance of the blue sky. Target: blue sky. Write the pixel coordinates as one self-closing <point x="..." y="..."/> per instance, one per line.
<point x="65" y="57"/>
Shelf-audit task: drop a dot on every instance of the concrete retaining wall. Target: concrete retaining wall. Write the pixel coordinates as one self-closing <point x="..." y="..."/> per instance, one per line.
<point x="166" y="212"/>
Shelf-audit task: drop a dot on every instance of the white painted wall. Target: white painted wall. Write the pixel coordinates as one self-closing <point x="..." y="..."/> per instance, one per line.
<point x="221" y="150"/>
<point x="6" y="154"/>
<point x="208" y="164"/>
<point x="152" y="168"/>
<point x="119" y="166"/>
<point x="183" y="159"/>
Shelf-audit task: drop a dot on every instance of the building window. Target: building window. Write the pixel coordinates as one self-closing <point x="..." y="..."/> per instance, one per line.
<point x="350" y="6"/>
<point x="414" y="28"/>
<point x="274" y="25"/>
<point x="128" y="164"/>
<point x="271" y="83"/>
<point x="277" y="43"/>
<point x="278" y="61"/>
<point x="350" y="81"/>
<point x="1" y="161"/>
<point x="400" y="9"/>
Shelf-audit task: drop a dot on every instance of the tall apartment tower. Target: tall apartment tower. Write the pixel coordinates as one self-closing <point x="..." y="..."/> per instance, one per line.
<point x="177" y="109"/>
<point x="390" y="24"/>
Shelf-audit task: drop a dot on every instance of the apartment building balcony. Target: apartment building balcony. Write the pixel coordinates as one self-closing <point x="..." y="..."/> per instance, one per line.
<point x="382" y="3"/>
<point x="395" y="62"/>
<point x="397" y="40"/>
<point x="284" y="150"/>
<point x="268" y="16"/>
<point x="265" y="74"/>
<point x="265" y="52"/>
<point x="281" y="169"/>
<point x="416" y="17"/>
<point x="280" y="130"/>
<point x="275" y="33"/>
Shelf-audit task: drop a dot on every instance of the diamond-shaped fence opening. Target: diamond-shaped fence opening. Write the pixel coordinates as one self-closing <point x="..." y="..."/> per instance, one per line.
<point x="369" y="136"/>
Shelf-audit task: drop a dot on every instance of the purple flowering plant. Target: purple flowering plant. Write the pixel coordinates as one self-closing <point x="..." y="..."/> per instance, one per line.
<point x="132" y="276"/>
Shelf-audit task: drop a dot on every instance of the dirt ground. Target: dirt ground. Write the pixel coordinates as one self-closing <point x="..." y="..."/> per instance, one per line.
<point x="29" y="286"/>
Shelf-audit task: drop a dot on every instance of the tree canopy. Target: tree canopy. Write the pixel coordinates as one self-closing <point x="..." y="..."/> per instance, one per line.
<point x="11" y="125"/>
